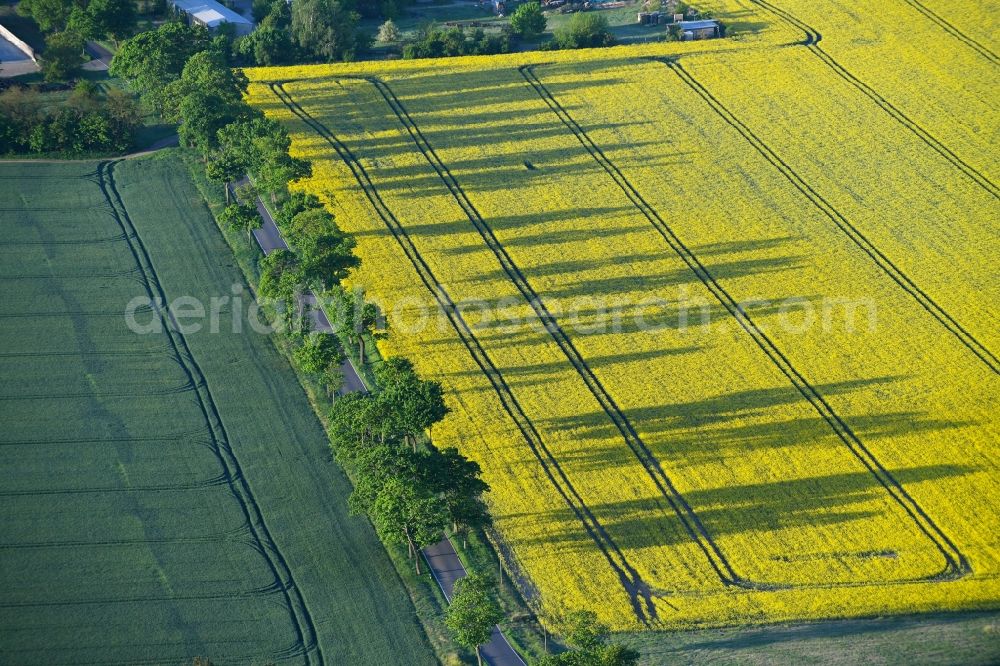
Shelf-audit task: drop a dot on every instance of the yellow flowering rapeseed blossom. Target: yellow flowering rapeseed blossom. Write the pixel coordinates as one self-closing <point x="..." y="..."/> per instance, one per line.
<point x="718" y="321"/>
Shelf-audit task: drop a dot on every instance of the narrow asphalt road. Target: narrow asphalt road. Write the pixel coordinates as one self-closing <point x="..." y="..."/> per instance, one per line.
<point x="441" y="557"/>
<point x="100" y="57"/>
<point x="448" y="570"/>
<point x="268" y="236"/>
<point x="269" y="239"/>
<point x="98" y="52"/>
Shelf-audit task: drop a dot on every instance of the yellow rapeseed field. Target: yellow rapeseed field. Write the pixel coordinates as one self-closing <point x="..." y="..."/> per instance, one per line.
<point x="715" y="318"/>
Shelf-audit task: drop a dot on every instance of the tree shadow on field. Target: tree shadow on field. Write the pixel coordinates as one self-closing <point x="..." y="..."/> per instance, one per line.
<point x="535" y="375"/>
<point x="693" y="431"/>
<point x="460" y="121"/>
<point x="505" y="172"/>
<point x="454" y="92"/>
<point x="759" y="507"/>
<point x="733" y="429"/>
<point x="650" y="282"/>
<point x="544" y="236"/>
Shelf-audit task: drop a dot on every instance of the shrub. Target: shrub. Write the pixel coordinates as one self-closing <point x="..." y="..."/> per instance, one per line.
<point x="63" y="56"/>
<point x="584" y="30"/>
<point x="439" y="43"/>
<point x="528" y="20"/>
<point x="388" y="33"/>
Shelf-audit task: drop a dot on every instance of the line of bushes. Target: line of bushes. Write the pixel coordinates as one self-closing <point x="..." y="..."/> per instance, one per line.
<point x="583" y="30"/>
<point x="89" y="120"/>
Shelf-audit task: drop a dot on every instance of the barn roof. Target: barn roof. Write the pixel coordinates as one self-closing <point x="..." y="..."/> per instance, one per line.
<point x="210" y="12"/>
<point x="698" y="25"/>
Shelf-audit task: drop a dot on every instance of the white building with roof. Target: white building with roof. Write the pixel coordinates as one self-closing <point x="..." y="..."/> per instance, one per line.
<point x="212" y="14"/>
<point x="704" y="29"/>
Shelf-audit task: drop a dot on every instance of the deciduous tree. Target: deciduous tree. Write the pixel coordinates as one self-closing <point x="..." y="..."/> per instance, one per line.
<point x="528" y="20"/>
<point x="153" y="59"/>
<point x="207" y="97"/>
<point x="50" y="15"/>
<point x="328" y="258"/>
<point x="458" y="481"/>
<point x="326" y="29"/>
<point x="584" y="30"/>
<point x="589" y="640"/>
<point x="280" y="277"/>
<point x="357" y="318"/>
<point x="473" y="612"/>
<point x="241" y="217"/>
<point x="388" y="33"/>
<point x="392" y="488"/>
<point x="318" y="352"/>
<point x="114" y="18"/>
<point x="225" y="166"/>
<point x="63" y="56"/>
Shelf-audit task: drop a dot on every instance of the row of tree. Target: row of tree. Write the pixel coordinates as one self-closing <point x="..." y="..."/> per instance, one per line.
<point x="438" y="42"/>
<point x="528" y="22"/>
<point x="327" y="30"/>
<point x="410" y="490"/>
<point x="474" y="612"/>
<point x="303" y="31"/>
<point x="94" y="19"/>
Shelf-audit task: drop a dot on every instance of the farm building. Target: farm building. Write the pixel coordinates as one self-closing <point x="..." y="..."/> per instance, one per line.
<point x="705" y="29"/>
<point x="212" y="14"/>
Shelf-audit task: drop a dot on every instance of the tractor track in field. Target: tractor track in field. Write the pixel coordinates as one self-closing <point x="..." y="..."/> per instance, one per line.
<point x="139" y="352"/>
<point x="173" y="437"/>
<point x="307" y="636"/>
<point x="88" y="241"/>
<point x="194" y="485"/>
<point x="172" y="390"/>
<point x="664" y="485"/>
<point x="51" y="209"/>
<point x="954" y="32"/>
<point x="240" y="659"/>
<point x="31" y="315"/>
<point x="244" y="594"/>
<point x="92" y="177"/>
<point x="811" y="42"/>
<point x="956" y="564"/>
<point x="237" y="534"/>
<point x="842" y="223"/>
<point x="72" y="276"/>
<point x="637" y="590"/>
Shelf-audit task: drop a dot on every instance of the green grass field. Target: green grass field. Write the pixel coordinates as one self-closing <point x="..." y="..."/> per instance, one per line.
<point x="165" y="496"/>
<point x="961" y="639"/>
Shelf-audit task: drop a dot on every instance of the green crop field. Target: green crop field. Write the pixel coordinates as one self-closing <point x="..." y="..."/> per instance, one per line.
<point x="164" y="495"/>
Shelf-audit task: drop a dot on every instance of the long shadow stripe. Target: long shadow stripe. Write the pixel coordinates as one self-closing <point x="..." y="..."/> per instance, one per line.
<point x="813" y="37"/>
<point x="956" y="563"/>
<point x="869" y="248"/>
<point x="305" y="629"/>
<point x="637" y="590"/>
<point x="689" y="519"/>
